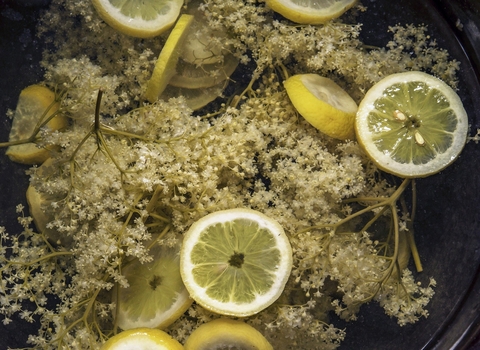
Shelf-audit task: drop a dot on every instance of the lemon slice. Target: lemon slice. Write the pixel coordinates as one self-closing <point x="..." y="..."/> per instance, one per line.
<point x="224" y="333"/>
<point x="324" y="104"/>
<point x="156" y="296"/>
<point x="411" y="124"/>
<point x="195" y="98"/>
<point x="139" y="18"/>
<point x="235" y="262"/>
<point x="35" y="104"/>
<point x="39" y="204"/>
<point x="142" y="339"/>
<point x="167" y="60"/>
<point x="191" y="76"/>
<point x="199" y="48"/>
<point x="310" y="11"/>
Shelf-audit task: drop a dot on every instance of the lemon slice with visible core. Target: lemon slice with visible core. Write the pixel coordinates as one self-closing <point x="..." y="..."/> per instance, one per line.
<point x="142" y="339"/>
<point x="310" y="11"/>
<point x="156" y="296"/>
<point x="324" y="104"/>
<point x="235" y="262"/>
<point x="167" y="60"/>
<point x="224" y="333"/>
<point x="35" y="103"/>
<point x="411" y="124"/>
<point x="139" y="18"/>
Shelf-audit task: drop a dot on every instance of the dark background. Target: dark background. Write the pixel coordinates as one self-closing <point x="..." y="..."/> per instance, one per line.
<point x="448" y="217"/>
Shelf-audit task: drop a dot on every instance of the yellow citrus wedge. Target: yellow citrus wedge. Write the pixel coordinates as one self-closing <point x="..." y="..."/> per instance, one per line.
<point x="324" y="104"/>
<point x="167" y="60"/>
<point x="411" y="124"/>
<point x="142" y="339"/>
<point x="35" y="105"/>
<point x="156" y="296"/>
<point x="235" y="262"/>
<point x="139" y="18"/>
<point x="310" y="11"/>
<point x="224" y="333"/>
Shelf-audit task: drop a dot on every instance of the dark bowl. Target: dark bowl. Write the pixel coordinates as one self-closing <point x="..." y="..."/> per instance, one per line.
<point x="447" y="222"/>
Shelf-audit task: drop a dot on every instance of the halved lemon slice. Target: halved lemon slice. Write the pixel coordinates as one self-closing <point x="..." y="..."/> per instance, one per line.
<point x="411" y="124"/>
<point x="167" y="60"/>
<point x="323" y="104"/>
<point x="156" y="296"/>
<point x="310" y="11"/>
<point x="35" y="105"/>
<point x="142" y="339"/>
<point x="139" y="18"/>
<point x="224" y="333"/>
<point x="235" y="262"/>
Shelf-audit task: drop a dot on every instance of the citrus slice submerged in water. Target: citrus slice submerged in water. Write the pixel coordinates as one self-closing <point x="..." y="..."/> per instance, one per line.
<point x="167" y="60"/>
<point x="411" y="124"/>
<point x="139" y="18"/>
<point x="142" y="339"/>
<point x="36" y="105"/>
<point x="310" y="11"/>
<point x="235" y="262"/>
<point x="156" y="296"/>
<point x="224" y="333"/>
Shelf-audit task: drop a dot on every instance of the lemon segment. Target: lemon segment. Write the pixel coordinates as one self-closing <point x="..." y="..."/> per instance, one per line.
<point x="139" y="18"/>
<point x="167" y="60"/>
<point x="310" y="11"/>
<point x="324" y="104"/>
<point x="142" y="339"/>
<point x="156" y="296"/>
<point x="36" y="103"/>
<point x="224" y="333"/>
<point x="411" y="124"/>
<point x="235" y="262"/>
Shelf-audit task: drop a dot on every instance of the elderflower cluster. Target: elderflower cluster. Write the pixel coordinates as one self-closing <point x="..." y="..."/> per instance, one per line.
<point x="134" y="172"/>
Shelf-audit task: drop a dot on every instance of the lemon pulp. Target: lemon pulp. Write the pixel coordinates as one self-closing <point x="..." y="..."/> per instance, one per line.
<point x="142" y="339"/>
<point x="139" y="18"/>
<point x="310" y="11"/>
<point x="235" y="262"/>
<point x="411" y="124"/>
<point x="156" y="296"/>
<point x="224" y="333"/>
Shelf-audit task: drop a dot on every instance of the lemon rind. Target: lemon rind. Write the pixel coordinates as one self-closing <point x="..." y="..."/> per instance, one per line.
<point x="334" y="122"/>
<point x="226" y="332"/>
<point x="137" y="27"/>
<point x="165" y="66"/>
<point x="304" y="15"/>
